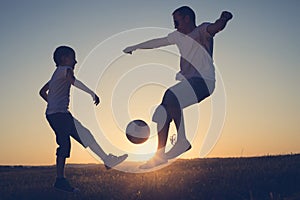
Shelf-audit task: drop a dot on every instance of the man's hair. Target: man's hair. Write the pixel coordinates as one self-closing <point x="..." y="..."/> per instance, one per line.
<point x="60" y="52"/>
<point x="186" y="11"/>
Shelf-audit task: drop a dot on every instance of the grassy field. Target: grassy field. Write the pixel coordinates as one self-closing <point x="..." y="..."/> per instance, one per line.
<point x="268" y="177"/>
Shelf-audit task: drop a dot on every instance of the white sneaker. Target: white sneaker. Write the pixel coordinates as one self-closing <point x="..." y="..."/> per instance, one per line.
<point x="179" y="148"/>
<point x="155" y="161"/>
<point x="111" y="160"/>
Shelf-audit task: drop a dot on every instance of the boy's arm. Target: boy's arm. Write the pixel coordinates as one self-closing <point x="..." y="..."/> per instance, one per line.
<point x="43" y="92"/>
<point x="150" y="44"/>
<point x="82" y="86"/>
<point x="220" y="23"/>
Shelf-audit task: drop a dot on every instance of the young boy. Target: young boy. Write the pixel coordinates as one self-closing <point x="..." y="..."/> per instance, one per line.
<point x="56" y="93"/>
<point x="196" y="76"/>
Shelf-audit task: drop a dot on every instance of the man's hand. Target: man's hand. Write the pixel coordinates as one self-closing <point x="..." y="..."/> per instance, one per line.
<point x="219" y="24"/>
<point x="226" y="15"/>
<point x="129" y="50"/>
<point x="96" y="99"/>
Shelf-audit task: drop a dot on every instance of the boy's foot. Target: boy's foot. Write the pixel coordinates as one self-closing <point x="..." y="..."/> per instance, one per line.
<point x="112" y="160"/>
<point x="179" y="148"/>
<point x="155" y="161"/>
<point x="63" y="184"/>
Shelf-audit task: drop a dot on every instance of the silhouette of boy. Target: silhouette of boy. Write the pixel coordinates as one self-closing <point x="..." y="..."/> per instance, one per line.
<point x="56" y="92"/>
<point x="196" y="76"/>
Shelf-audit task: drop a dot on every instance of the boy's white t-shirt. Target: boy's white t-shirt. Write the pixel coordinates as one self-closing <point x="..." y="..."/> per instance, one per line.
<point x="197" y="48"/>
<point x="59" y="91"/>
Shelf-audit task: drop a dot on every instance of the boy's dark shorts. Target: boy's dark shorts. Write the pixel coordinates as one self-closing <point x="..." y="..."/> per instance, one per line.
<point x="63" y="125"/>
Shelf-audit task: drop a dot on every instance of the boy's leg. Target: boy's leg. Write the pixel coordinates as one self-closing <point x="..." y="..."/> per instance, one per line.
<point x="86" y="139"/>
<point x="59" y="123"/>
<point x="82" y="135"/>
<point x="60" y="166"/>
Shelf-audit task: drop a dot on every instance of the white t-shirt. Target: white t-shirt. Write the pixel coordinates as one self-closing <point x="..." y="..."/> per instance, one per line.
<point x="196" y="48"/>
<point x="59" y="91"/>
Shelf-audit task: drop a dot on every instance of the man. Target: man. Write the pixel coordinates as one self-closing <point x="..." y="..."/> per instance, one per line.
<point x="196" y="76"/>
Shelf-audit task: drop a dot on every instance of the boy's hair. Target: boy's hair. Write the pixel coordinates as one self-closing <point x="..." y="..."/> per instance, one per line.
<point x="60" y="52"/>
<point x="186" y="11"/>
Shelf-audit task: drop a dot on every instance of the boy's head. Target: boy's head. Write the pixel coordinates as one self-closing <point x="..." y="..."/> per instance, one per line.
<point x="183" y="17"/>
<point x="64" y="56"/>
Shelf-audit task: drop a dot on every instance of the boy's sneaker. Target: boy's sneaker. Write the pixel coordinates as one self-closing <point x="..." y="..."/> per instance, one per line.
<point x="111" y="160"/>
<point x="63" y="184"/>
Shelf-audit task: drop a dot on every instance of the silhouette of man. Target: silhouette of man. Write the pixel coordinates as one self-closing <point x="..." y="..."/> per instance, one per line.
<point x="196" y="76"/>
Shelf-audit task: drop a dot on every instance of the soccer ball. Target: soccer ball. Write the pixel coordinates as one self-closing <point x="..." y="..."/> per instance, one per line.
<point x="137" y="131"/>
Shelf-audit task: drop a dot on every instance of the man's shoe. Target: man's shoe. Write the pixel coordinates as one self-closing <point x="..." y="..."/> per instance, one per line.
<point x="179" y="148"/>
<point x="63" y="184"/>
<point x="112" y="160"/>
<point x="155" y="161"/>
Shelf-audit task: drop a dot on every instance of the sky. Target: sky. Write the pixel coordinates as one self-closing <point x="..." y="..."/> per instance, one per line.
<point x="257" y="58"/>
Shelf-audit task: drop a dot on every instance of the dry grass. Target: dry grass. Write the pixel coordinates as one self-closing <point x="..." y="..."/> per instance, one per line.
<point x="270" y="177"/>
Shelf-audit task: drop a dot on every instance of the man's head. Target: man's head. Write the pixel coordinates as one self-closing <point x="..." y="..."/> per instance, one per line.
<point x="64" y="56"/>
<point x="184" y="17"/>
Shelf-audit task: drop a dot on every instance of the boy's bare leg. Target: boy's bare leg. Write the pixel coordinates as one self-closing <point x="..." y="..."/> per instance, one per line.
<point x="61" y="182"/>
<point x="109" y="160"/>
<point x="85" y="137"/>
<point x="96" y="149"/>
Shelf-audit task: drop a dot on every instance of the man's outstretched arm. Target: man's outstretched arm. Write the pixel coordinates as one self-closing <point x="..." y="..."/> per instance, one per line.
<point x="150" y="44"/>
<point x="220" y="23"/>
